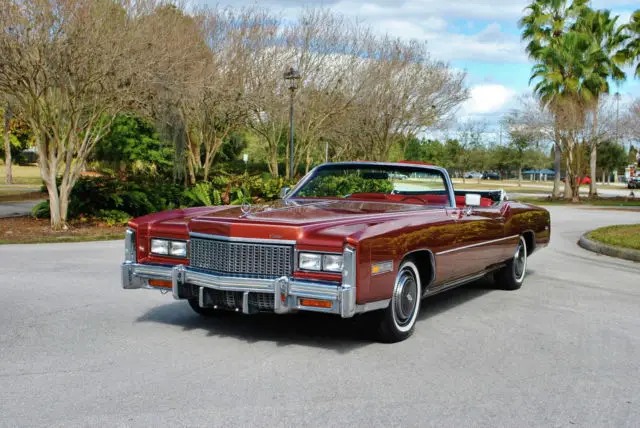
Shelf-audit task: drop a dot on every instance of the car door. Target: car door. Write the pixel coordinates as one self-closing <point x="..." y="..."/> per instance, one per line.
<point x="475" y="242"/>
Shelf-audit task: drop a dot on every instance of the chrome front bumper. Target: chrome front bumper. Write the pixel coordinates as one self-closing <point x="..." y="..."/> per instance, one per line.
<point x="287" y="291"/>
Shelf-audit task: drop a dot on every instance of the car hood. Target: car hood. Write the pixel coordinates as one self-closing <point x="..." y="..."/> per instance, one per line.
<point x="306" y="211"/>
<point x="316" y="222"/>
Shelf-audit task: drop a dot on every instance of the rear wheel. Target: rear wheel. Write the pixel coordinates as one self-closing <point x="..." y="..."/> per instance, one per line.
<point x="512" y="275"/>
<point x="397" y="321"/>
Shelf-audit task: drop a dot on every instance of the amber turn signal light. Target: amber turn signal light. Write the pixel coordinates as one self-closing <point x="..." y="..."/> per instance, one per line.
<point x="316" y="303"/>
<point x="159" y="283"/>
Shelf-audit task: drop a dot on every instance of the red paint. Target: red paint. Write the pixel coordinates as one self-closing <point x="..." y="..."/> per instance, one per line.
<point x="379" y="230"/>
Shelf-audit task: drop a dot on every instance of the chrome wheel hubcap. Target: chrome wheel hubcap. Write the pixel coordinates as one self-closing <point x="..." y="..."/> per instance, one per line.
<point x="519" y="261"/>
<point x="406" y="297"/>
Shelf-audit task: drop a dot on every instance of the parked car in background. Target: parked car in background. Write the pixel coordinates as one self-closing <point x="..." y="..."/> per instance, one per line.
<point x="491" y="176"/>
<point x="347" y="240"/>
<point x="473" y="174"/>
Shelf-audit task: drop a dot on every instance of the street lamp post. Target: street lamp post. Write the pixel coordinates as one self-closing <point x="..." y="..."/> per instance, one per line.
<point x="292" y="77"/>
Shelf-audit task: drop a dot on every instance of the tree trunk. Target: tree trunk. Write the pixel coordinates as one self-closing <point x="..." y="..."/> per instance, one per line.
<point x="54" y="206"/>
<point x="604" y="175"/>
<point x="273" y="160"/>
<point x="557" y="161"/>
<point x="192" y="173"/>
<point x="568" y="189"/>
<point x="519" y="176"/>
<point x="7" y="145"/>
<point x="208" y="161"/>
<point x="593" y="188"/>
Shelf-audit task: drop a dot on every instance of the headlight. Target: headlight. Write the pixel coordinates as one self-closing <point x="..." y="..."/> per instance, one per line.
<point x="320" y="262"/>
<point x="332" y="263"/>
<point x="165" y="247"/>
<point x="178" y="249"/>
<point x="310" y="261"/>
<point x="160" y="246"/>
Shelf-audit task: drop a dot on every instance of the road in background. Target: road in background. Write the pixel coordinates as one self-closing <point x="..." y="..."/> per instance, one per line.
<point x="15" y="209"/>
<point x="77" y="350"/>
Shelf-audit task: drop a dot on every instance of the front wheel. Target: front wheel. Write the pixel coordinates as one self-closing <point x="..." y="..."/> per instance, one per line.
<point x="397" y="321"/>
<point x="512" y="275"/>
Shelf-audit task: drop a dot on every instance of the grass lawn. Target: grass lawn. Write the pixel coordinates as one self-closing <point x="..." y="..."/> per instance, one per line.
<point x="29" y="230"/>
<point x="26" y="175"/>
<point x="600" y="202"/>
<point x="625" y="236"/>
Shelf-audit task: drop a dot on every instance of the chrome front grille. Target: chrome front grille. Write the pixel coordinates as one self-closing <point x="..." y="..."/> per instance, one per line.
<point x="241" y="258"/>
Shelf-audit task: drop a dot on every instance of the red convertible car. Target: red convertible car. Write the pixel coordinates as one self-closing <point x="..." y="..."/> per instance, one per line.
<point x="349" y="239"/>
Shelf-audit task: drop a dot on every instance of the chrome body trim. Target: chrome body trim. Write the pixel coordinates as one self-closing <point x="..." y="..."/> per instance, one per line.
<point x="130" y="254"/>
<point x="246" y="240"/>
<point x="452" y="197"/>
<point x="464" y="247"/>
<point x="286" y="291"/>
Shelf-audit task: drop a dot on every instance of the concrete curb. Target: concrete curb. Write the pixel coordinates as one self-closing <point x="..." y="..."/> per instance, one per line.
<point x="608" y="250"/>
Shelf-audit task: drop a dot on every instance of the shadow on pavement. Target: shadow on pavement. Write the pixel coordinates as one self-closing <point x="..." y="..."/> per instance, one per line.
<point x="449" y="300"/>
<point x="302" y="328"/>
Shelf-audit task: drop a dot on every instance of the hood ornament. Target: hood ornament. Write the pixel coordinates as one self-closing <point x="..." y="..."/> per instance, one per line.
<point x="246" y="209"/>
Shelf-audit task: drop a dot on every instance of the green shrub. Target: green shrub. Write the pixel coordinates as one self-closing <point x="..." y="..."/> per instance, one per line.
<point x="109" y="198"/>
<point x="113" y="217"/>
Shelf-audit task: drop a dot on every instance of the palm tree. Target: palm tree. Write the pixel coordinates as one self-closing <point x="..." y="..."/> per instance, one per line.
<point x="631" y="52"/>
<point x="544" y="25"/>
<point x="564" y="86"/>
<point x="602" y="63"/>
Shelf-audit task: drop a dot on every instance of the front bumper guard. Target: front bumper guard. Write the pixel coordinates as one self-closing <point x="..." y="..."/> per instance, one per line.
<point x="287" y="291"/>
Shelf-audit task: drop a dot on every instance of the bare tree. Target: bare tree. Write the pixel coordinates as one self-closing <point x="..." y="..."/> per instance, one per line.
<point x="522" y="136"/>
<point x="266" y="98"/>
<point x="540" y="123"/>
<point x="328" y="54"/>
<point x="406" y="92"/>
<point x="629" y="124"/>
<point x="71" y="66"/>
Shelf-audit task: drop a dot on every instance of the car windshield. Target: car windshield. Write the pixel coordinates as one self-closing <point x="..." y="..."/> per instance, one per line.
<point x="391" y="183"/>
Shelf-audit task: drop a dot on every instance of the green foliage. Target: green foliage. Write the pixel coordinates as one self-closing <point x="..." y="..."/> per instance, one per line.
<point x="110" y="199"/>
<point x="113" y="217"/>
<point x="92" y="196"/>
<point x="611" y="156"/>
<point x="200" y="194"/>
<point x="20" y="139"/>
<point x="344" y="185"/>
<point x="134" y="146"/>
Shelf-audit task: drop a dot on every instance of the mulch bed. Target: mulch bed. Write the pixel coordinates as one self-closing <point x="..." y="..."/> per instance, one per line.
<point x="23" y="230"/>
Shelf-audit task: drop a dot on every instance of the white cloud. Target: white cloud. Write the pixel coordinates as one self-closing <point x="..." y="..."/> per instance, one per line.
<point x="488" y="99"/>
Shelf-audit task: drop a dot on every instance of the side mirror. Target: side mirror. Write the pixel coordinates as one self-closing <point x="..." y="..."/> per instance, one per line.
<point x="471" y="200"/>
<point x="284" y="191"/>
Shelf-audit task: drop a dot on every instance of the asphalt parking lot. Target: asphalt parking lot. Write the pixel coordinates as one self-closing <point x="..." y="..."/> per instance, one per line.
<point x="77" y="350"/>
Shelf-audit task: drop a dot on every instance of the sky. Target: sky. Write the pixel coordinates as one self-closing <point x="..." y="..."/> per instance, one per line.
<point x="478" y="36"/>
